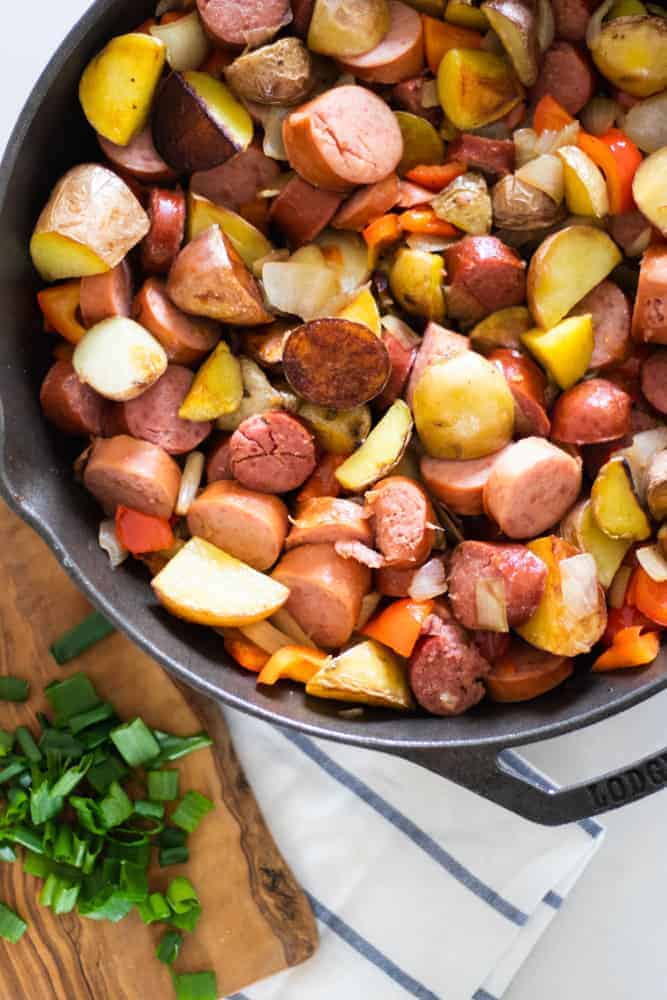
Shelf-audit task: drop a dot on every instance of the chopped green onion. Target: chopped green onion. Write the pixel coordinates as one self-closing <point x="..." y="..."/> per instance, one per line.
<point x="44" y="805"/>
<point x="59" y="893"/>
<point x="173" y="856"/>
<point x="71" y="697"/>
<point x="133" y="881"/>
<point x="25" y="740"/>
<point x="6" y="742"/>
<point x="184" y="901"/>
<point x="190" y="811"/>
<point x="24" y="836"/>
<point x="71" y="777"/>
<point x="88" y="812"/>
<point x="175" y="747"/>
<point x="107" y="771"/>
<point x="163" y="785"/>
<point x="135" y="743"/>
<point x="80" y="638"/>
<point x="7" y="853"/>
<point x="152" y="810"/>
<point x="42" y="867"/>
<point x="17" y="807"/>
<point x="97" y="735"/>
<point x="94" y="715"/>
<point x="115" y="807"/>
<point x="171" y="836"/>
<point x="154" y="908"/>
<point x="108" y="904"/>
<point x="196" y="986"/>
<point x="169" y="947"/>
<point x="62" y="745"/>
<point x="12" y="769"/>
<point x="12" y="928"/>
<point x="13" y="689"/>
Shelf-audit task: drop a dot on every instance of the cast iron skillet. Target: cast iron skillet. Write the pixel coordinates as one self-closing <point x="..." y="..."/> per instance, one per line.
<point x="36" y="480"/>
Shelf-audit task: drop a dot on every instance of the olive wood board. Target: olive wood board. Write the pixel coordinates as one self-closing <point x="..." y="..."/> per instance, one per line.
<point x="256" y="920"/>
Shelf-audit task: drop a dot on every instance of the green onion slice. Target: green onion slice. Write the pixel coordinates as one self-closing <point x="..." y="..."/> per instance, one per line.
<point x="163" y="785"/>
<point x="190" y="811"/>
<point x="135" y="743"/>
<point x="169" y="947"/>
<point x="77" y="640"/>
<point x="196" y="986"/>
<point x="13" y="689"/>
<point x="12" y="927"/>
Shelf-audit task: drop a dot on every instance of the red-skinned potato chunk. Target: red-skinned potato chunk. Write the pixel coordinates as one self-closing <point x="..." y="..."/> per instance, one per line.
<point x="404" y="521"/>
<point x="591" y="412"/>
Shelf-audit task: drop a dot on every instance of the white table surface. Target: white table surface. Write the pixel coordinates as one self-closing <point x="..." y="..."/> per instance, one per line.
<point x="608" y="941"/>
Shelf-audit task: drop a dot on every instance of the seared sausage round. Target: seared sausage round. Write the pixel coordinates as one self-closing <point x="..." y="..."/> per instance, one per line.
<point x="272" y="452"/>
<point x="367" y="204"/>
<point x="218" y="461"/>
<point x="484" y="275"/>
<point x="186" y="339"/>
<point x="139" y="158"/>
<point x="459" y="484"/>
<point x="524" y="577"/>
<point x="303" y="211"/>
<point x="153" y="416"/>
<point x="495" y="157"/>
<point x="160" y="245"/>
<point x="239" y="179"/>
<point x="70" y="404"/>
<point x="649" y="317"/>
<point x="328" y="519"/>
<point x="567" y="74"/>
<point x="344" y="137"/>
<point x="248" y="525"/>
<point x="243" y="22"/>
<point x="531" y="487"/>
<point x="571" y="17"/>
<point x="446" y="670"/>
<point x="654" y="380"/>
<point x="592" y="412"/>
<point x="325" y="592"/>
<point x="404" y="521"/>
<point x="400" y="54"/>
<point x="610" y="310"/>
<point x="105" y="295"/>
<point x="137" y="474"/>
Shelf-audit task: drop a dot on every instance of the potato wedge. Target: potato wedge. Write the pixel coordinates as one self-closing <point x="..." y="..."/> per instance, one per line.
<point x="514" y="23"/>
<point x="208" y="278"/>
<point x="90" y="222"/>
<point x="556" y="627"/>
<point x="117" y="87"/>
<point x="476" y="87"/>
<point x="363" y="309"/>
<point x="565" y="350"/>
<point x="259" y="396"/>
<point x="250" y="244"/>
<point x="501" y="329"/>
<point x="649" y="189"/>
<point x="217" y="388"/>
<point x="615" y="502"/>
<point x="381" y="451"/>
<point x="337" y="431"/>
<point x="565" y="267"/>
<point x="466" y="204"/>
<point x="119" y="359"/>
<point x="198" y="123"/>
<point x="656" y="486"/>
<point x="415" y="279"/>
<point x="582" y="530"/>
<point x="205" y="585"/>
<point x="280" y="73"/>
<point x="186" y="41"/>
<point x="631" y="52"/>
<point x="368" y="674"/>
<point x="585" y="186"/>
<point x="342" y="28"/>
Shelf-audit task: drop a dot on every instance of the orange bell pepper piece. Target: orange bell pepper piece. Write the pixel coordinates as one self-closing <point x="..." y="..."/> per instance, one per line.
<point x="399" y="625"/>
<point x="630" y="649"/>
<point x="60" y="308"/>
<point x="293" y="663"/>
<point x="440" y="37"/>
<point x="648" y="596"/>
<point x="435" y="176"/>
<point x="63" y="351"/>
<point x="380" y="234"/>
<point x="323" y="482"/>
<point x="619" y="619"/>
<point x="619" y="159"/>
<point x="551" y="115"/>
<point x="424" y="220"/>
<point x="247" y="654"/>
<point x="142" y="532"/>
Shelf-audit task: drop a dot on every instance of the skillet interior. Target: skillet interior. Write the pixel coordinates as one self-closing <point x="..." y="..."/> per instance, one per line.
<point x="36" y="478"/>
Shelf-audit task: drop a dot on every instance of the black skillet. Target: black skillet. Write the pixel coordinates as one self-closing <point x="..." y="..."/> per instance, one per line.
<point x="36" y="480"/>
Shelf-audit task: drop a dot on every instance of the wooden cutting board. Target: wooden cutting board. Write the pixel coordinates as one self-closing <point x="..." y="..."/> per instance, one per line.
<point x="256" y="920"/>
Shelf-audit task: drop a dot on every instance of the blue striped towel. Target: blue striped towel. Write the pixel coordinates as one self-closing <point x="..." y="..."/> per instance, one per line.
<point x="421" y="888"/>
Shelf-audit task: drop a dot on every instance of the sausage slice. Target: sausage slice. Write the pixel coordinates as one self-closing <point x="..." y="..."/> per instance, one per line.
<point x="70" y="404"/>
<point x="459" y="484"/>
<point x="186" y="339"/>
<point x="649" y="317"/>
<point x="524" y="672"/>
<point x="303" y="211"/>
<point x="272" y="452"/>
<point x="139" y="158"/>
<point x="567" y="74"/>
<point x="610" y="310"/>
<point x="325" y="592"/>
<point x="218" y="461"/>
<point x="239" y="179"/>
<point x="248" y="525"/>
<point x="367" y="204"/>
<point x="654" y="380"/>
<point x="404" y="521"/>
<point x="105" y="295"/>
<point x="327" y="519"/>
<point x="531" y="487"/>
<point x="495" y="157"/>
<point x="137" y="474"/>
<point x="484" y="275"/>
<point x="447" y="670"/>
<point x="524" y="577"/>
<point x="160" y="245"/>
<point x="243" y="22"/>
<point x="398" y="56"/>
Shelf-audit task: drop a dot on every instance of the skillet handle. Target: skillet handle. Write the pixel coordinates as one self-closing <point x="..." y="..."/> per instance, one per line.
<point x="508" y="780"/>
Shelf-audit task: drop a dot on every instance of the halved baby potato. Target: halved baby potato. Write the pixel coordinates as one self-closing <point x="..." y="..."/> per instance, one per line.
<point x="582" y="530"/>
<point x="368" y="674"/>
<point x="217" y="388"/>
<point x="585" y="186"/>
<point x="119" y="359"/>
<point x="615" y="502"/>
<point x="631" y="52"/>
<point x="250" y="244"/>
<point x="90" y="222"/>
<point x="501" y="329"/>
<point x="381" y="451"/>
<point x="416" y="278"/>
<point x="344" y="28"/>
<point x="476" y="87"/>
<point x="205" y="585"/>
<point x="117" y="87"/>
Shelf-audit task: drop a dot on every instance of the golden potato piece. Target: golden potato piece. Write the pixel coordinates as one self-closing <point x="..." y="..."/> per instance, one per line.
<point x="217" y="387"/>
<point x="514" y="23"/>
<point x="615" y="502"/>
<point x="337" y="431"/>
<point x="343" y="28"/>
<point x="90" y="222"/>
<point x="381" y="451"/>
<point x="205" y="585"/>
<point x="649" y="189"/>
<point x="415" y="279"/>
<point x="280" y="73"/>
<point x="421" y="141"/>
<point x="336" y="363"/>
<point x="501" y="329"/>
<point x="250" y="244"/>
<point x="368" y="674"/>
<point x="631" y="52"/>
<point x="476" y="87"/>
<point x="556" y="626"/>
<point x="565" y="350"/>
<point x="585" y="186"/>
<point x="582" y="530"/>
<point x="565" y="267"/>
<point x="363" y="309"/>
<point x="117" y="87"/>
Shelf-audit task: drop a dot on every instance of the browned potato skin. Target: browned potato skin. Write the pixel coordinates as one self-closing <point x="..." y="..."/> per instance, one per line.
<point x="184" y="135"/>
<point x="208" y="278"/>
<point x="518" y="206"/>
<point x="335" y="362"/>
<point x="514" y="22"/>
<point x="280" y="73"/>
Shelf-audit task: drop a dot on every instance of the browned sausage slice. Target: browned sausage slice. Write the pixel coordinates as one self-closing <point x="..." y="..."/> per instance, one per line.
<point x="325" y="592"/>
<point x="447" y="670"/>
<point x="610" y="310"/>
<point x="400" y="54"/>
<point x="367" y="204"/>
<point x="494" y="157"/>
<point x="531" y="487"/>
<point x="250" y="526"/>
<point x="153" y="416"/>
<point x="239" y="179"/>
<point x="523" y="575"/>
<point x="345" y="137"/>
<point x="592" y="412"/>
<point x="438" y="344"/>
<point x="106" y="295"/>
<point x="243" y="22"/>
<point x="139" y="158"/>
<point x="272" y="452"/>
<point x="137" y="474"/>
<point x="404" y="521"/>
<point x="303" y="211"/>
<point x="649" y="318"/>
<point x="166" y="211"/>
<point x="402" y="350"/>
<point x="328" y="519"/>
<point x="484" y="275"/>
<point x="567" y="74"/>
<point x="654" y="380"/>
<point x="218" y="461"/>
<point x="186" y="339"/>
<point x="571" y="17"/>
<point x="523" y="672"/>
<point x="459" y="484"/>
<point x="71" y="405"/>
<point x="302" y="12"/>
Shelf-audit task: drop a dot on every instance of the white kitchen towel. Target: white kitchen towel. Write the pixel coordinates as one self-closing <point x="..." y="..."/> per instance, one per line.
<point x="421" y="888"/>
